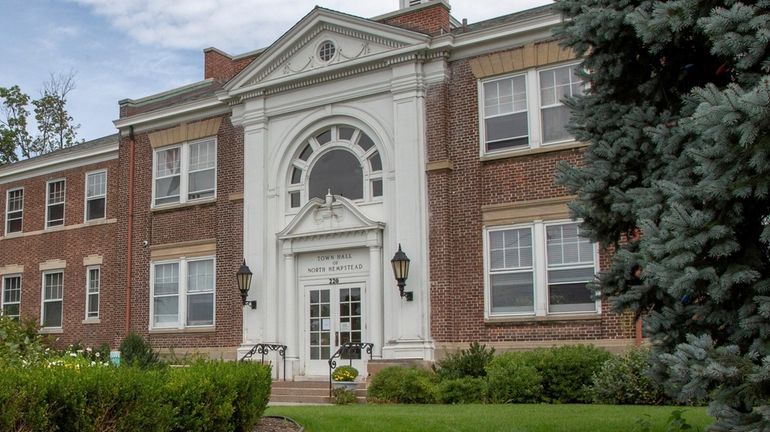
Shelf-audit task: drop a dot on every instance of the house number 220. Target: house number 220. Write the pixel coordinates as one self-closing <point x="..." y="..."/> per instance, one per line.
<point x="334" y="281"/>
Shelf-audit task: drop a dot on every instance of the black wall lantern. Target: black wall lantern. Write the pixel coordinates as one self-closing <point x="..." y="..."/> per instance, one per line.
<point x="400" y="264"/>
<point x="244" y="283"/>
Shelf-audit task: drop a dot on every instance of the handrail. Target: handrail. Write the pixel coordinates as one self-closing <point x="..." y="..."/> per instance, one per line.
<point x="263" y="348"/>
<point x="347" y="348"/>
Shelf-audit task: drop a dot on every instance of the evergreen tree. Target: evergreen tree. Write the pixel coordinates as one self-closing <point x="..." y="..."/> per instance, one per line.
<point x="676" y="181"/>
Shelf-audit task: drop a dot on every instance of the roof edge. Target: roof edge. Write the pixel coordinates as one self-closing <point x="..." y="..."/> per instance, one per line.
<point x="167" y="94"/>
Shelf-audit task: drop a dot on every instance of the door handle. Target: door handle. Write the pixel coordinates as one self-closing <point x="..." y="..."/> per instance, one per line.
<point x="337" y="339"/>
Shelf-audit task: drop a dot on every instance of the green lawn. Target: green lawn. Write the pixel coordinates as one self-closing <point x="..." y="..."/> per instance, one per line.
<point x="509" y="418"/>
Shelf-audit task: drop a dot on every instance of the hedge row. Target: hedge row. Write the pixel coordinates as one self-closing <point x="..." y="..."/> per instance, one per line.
<point x="207" y="396"/>
<point x="555" y="375"/>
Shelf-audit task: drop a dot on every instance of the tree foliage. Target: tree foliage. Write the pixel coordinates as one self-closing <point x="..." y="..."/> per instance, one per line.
<point x="55" y="127"/>
<point x="677" y="181"/>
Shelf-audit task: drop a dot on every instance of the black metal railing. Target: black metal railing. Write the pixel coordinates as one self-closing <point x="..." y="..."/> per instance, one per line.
<point x="262" y="349"/>
<point x="347" y="351"/>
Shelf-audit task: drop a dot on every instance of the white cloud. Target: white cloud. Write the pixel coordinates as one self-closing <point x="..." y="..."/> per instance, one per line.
<point x="243" y="25"/>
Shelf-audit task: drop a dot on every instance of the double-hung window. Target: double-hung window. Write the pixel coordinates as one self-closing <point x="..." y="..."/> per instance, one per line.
<point x="56" y="192"/>
<point x="183" y="293"/>
<point x="96" y="195"/>
<point x="511" y="271"/>
<point x="539" y="269"/>
<point x="14" y="211"/>
<point x="93" y="286"/>
<point x="185" y="172"/>
<point x="570" y="267"/>
<point x="11" y="296"/>
<point x="505" y="113"/>
<point x="53" y="299"/>
<point x="555" y="85"/>
<point x="526" y="110"/>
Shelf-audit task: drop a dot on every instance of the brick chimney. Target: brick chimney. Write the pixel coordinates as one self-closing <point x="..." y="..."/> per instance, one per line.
<point x="430" y="17"/>
<point x="221" y="66"/>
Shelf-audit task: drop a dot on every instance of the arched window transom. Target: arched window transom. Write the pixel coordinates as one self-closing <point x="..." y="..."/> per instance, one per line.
<point x="341" y="159"/>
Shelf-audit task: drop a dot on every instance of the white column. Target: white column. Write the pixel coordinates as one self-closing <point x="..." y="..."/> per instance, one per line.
<point x="375" y="300"/>
<point x="409" y="216"/>
<point x="290" y="319"/>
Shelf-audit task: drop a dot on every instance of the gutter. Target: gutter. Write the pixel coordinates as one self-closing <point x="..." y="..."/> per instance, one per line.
<point x="130" y="234"/>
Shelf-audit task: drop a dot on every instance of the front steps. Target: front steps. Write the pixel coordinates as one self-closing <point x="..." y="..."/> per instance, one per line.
<point x="307" y="392"/>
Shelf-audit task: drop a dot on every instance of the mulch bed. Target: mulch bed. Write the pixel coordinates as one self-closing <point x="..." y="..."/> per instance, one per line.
<point x="277" y="424"/>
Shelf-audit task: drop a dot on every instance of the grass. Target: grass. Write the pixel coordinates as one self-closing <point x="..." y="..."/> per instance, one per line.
<point x="509" y="418"/>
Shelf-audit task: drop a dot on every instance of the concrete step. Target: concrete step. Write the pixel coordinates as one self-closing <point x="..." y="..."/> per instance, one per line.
<point x="308" y="392"/>
<point x="301" y="384"/>
<point x="321" y="400"/>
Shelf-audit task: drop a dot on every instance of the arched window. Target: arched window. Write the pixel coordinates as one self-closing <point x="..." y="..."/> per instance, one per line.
<point x="341" y="159"/>
<point x="338" y="172"/>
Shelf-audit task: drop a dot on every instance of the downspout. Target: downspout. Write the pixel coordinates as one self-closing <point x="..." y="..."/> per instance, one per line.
<point x="130" y="233"/>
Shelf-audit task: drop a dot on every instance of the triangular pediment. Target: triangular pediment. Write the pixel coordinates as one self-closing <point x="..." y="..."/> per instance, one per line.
<point x="296" y="54"/>
<point x="331" y="216"/>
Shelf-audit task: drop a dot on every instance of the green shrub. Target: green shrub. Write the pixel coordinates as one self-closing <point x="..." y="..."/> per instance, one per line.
<point x="623" y="380"/>
<point x="344" y="396"/>
<point x="567" y="371"/>
<point x="345" y="373"/>
<point x="466" y="363"/>
<point x="135" y="351"/>
<point x="210" y="397"/>
<point x="513" y="378"/>
<point x="397" y="384"/>
<point x="462" y="390"/>
<point x="21" y="344"/>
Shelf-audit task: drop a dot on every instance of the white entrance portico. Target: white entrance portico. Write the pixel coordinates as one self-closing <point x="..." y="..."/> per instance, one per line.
<point x="332" y="267"/>
<point x="354" y="124"/>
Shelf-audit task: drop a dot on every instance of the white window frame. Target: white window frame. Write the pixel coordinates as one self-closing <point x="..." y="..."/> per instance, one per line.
<point x="540" y="105"/>
<point x="43" y="300"/>
<point x="47" y="203"/>
<point x="89" y="293"/>
<point x="184" y="171"/>
<point x="182" y="293"/>
<point x="534" y="114"/>
<point x="8" y="210"/>
<point x="2" y="293"/>
<point x="540" y="269"/>
<point x="87" y="198"/>
<point x="533" y="269"/>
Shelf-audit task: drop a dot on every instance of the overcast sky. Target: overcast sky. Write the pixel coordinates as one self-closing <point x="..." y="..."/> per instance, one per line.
<point x="133" y="48"/>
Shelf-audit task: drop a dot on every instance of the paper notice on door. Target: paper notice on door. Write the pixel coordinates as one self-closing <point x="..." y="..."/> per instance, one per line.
<point x="345" y="326"/>
<point x="326" y="324"/>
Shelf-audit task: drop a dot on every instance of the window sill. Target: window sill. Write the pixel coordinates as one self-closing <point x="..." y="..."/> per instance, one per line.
<point x="91" y="321"/>
<point x="543" y="319"/>
<point x="207" y="329"/>
<point x="188" y="204"/>
<point x="58" y="228"/>
<point x="548" y="148"/>
<point x="51" y="330"/>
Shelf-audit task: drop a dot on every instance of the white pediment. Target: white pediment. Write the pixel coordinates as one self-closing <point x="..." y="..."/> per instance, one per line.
<point x="296" y="53"/>
<point x="334" y="216"/>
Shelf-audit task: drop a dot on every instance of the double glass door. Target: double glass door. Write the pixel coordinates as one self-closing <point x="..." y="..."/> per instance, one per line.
<point x="334" y="316"/>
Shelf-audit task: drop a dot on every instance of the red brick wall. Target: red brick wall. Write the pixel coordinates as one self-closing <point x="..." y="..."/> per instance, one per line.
<point x="455" y="200"/>
<point x="221" y="220"/>
<point x="71" y="245"/>
<point x="432" y="20"/>
<point x="222" y="67"/>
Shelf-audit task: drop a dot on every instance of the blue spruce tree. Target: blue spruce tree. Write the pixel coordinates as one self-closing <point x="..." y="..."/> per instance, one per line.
<point x="677" y="182"/>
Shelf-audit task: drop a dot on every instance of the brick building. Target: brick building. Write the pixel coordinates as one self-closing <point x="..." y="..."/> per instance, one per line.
<point x="313" y="159"/>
